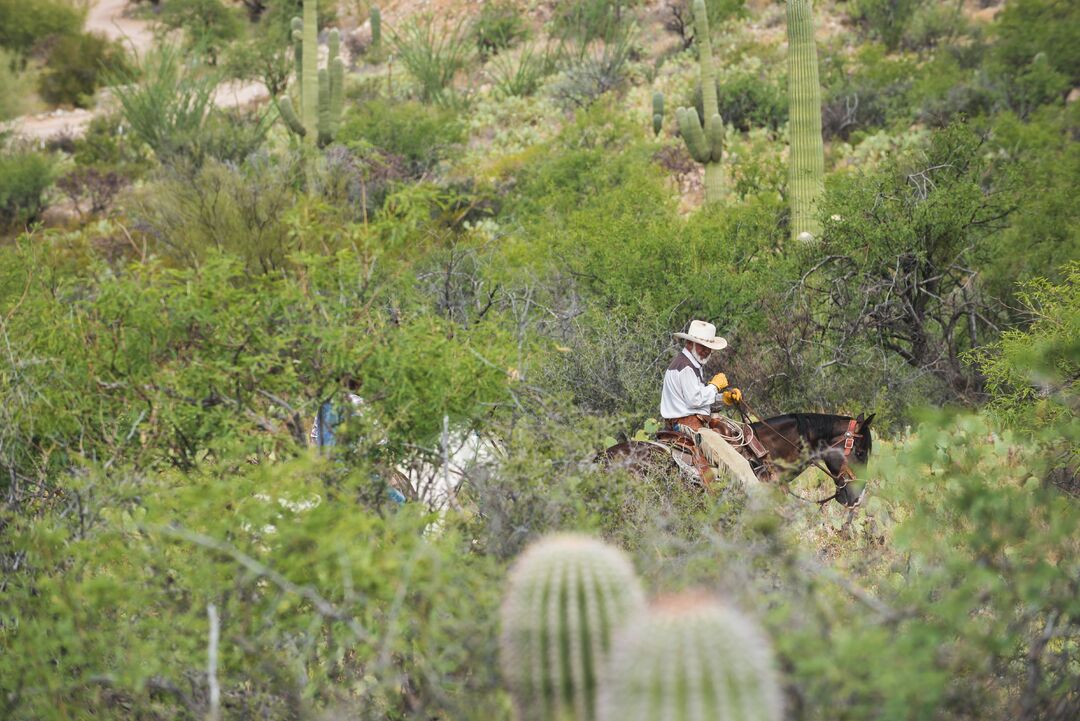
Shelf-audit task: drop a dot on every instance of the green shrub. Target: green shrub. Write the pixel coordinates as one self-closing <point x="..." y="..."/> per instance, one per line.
<point x="433" y="53"/>
<point x="520" y="75"/>
<point x="583" y="21"/>
<point x="869" y="91"/>
<point x="933" y="24"/>
<point x="208" y="25"/>
<point x="77" y="66"/>
<point x="25" y="177"/>
<point x="166" y="103"/>
<point x="1025" y="28"/>
<point x="749" y="101"/>
<point x="884" y="20"/>
<point x="192" y="214"/>
<point x="24" y="24"/>
<point x="422" y="134"/>
<point x="1033" y="374"/>
<point x="15" y="86"/>
<point x="498" y="27"/>
<point x="589" y="71"/>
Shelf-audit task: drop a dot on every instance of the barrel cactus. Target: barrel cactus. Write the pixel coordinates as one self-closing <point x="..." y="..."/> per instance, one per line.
<point x="322" y="91"/>
<point x="691" y="658"/>
<point x="705" y="137"/>
<point x="806" y="172"/>
<point x="566" y="598"/>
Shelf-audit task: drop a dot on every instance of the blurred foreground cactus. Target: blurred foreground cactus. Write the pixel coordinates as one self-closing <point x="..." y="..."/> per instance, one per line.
<point x="566" y="598"/>
<point x="806" y="172"/>
<point x="691" y="658"/>
<point x="705" y="137"/>
<point x="322" y="95"/>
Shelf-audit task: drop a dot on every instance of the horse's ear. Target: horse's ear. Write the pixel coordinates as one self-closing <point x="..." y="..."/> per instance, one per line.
<point x="865" y="424"/>
<point x="859" y="420"/>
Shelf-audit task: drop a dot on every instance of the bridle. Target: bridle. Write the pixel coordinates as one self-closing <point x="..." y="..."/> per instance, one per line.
<point x="842" y="477"/>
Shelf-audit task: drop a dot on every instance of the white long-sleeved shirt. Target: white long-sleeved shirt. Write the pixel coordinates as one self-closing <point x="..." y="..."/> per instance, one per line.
<point x="685" y="391"/>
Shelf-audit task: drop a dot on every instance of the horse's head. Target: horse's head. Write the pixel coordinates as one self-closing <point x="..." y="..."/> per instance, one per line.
<point x="850" y="467"/>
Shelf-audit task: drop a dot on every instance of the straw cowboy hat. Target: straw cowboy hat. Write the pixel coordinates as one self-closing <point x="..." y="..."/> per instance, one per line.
<point x="703" y="333"/>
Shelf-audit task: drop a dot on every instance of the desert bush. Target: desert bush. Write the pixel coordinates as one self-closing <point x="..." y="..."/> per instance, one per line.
<point x="24" y="24"/>
<point x="433" y="53"/>
<point x="208" y="25"/>
<point x="193" y="213"/>
<point x="498" y="27"/>
<point x="166" y="104"/>
<point x="520" y="74"/>
<point x="748" y="101"/>
<point x="582" y="21"/>
<point x="93" y="187"/>
<point x="264" y="57"/>
<point x="1045" y="229"/>
<point x="1025" y="28"/>
<point x="421" y="134"/>
<point x="25" y="178"/>
<point x="77" y="66"/>
<point x="589" y="71"/>
<point x="925" y="223"/>
<point x="884" y="20"/>
<point x="933" y="24"/>
<point x="681" y="18"/>
<point x="867" y="92"/>
<point x="15" y="86"/>
<point x="1033" y="374"/>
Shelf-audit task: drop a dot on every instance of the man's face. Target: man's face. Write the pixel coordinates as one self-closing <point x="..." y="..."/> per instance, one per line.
<point x="701" y="352"/>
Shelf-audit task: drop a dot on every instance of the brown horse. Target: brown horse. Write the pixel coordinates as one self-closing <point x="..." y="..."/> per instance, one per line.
<point x="795" y="441"/>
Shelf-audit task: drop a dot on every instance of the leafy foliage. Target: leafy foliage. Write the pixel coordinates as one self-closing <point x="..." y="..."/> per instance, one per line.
<point x="25" y="176"/>
<point x="434" y="53"/>
<point x="77" y="66"/>
<point x="24" y="24"/>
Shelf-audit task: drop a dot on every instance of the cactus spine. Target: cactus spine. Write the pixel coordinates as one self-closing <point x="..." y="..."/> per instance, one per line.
<point x="806" y="173"/>
<point x="705" y="138"/>
<point x="691" y="658"/>
<point x="322" y="96"/>
<point x="657" y="112"/>
<point x="567" y="596"/>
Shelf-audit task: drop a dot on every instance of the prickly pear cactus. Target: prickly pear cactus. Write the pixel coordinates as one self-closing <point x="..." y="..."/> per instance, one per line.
<point x="806" y="170"/>
<point x="705" y="137"/>
<point x="322" y="91"/>
<point x="566" y="597"/>
<point x="691" y="658"/>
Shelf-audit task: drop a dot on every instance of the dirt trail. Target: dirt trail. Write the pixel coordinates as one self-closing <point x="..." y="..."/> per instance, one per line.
<point x="108" y="18"/>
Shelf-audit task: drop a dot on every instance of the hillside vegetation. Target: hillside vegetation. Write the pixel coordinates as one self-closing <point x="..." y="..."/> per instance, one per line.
<point x="487" y="219"/>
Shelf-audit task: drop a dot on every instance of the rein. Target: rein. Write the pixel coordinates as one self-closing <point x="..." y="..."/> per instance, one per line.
<point x="844" y="476"/>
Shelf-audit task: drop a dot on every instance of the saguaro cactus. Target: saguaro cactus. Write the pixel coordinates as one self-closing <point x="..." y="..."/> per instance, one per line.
<point x="657" y="112"/>
<point x="322" y="91"/>
<point x="806" y="172"/>
<point x="567" y="596"/>
<point x="705" y="138"/>
<point x="376" y="28"/>
<point x="694" y="659"/>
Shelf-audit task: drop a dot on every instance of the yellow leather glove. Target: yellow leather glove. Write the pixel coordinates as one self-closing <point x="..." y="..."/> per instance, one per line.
<point x="720" y="381"/>
<point x="732" y="397"/>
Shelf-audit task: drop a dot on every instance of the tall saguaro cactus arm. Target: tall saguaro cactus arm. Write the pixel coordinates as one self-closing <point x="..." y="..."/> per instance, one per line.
<point x="806" y="173"/>
<point x="705" y="136"/>
<point x="321" y="90"/>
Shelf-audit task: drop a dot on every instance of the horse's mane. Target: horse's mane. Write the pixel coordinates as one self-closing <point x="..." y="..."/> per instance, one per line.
<point x="817" y="424"/>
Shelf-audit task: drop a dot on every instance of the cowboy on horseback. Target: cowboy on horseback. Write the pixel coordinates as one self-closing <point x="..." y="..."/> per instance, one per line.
<point x="687" y="399"/>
